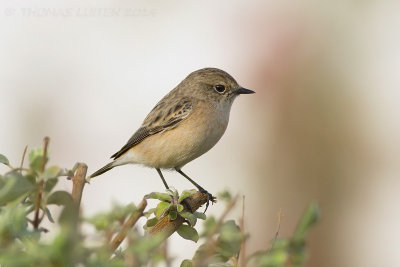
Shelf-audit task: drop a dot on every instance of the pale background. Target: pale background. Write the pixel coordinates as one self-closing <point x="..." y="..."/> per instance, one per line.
<point x="324" y="125"/>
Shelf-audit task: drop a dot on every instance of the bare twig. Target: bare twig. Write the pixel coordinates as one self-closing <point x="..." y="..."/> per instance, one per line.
<point x="128" y="225"/>
<point x="46" y="141"/>
<point x="78" y="183"/>
<point x="242" y="253"/>
<point x="36" y="220"/>
<point x="21" y="168"/>
<point x="278" y="228"/>
<point x="166" y="227"/>
<point x="23" y="158"/>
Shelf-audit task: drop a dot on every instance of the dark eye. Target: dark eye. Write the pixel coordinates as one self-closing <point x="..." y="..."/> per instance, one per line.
<point x="220" y="88"/>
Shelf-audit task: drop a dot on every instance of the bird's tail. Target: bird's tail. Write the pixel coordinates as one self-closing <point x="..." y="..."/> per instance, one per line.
<point x="106" y="168"/>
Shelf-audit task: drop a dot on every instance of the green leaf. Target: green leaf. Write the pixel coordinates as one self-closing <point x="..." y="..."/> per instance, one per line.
<point x="110" y="220"/>
<point x="273" y="258"/>
<point x="199" y="215"/>
<point x="173" y="192"/>
<point x="192" y="219"/>
<point x="160" y="196"/>
<point x="4" y="160"/>
<point x="60" y="198"/>
<point x="179" y="207"/>
<point x="281" y="243"/>
<point x="230" y="239"/>
<point x="69" y="214"/>
<point x="188" y="233"/>
<point x="187" y="263"/>
<point x="14" y="186"/>
<point x="230" y="231"/>
<point x="161" y="209"/>
<point x="48" y="214"/>
<point x="299" y="256"/>
<point x="185" y="194"/>
<point x="51" y="173"/>
<point x="50" y="184"/>
<point x="225" y="196"/>
<point x="31" y="177"/>
<point x="36" y="159"/>
<point x="149" y="212"/>
<point x="119" y="212"/>
<point x="13" y="224"/>
<point x="201" y="252"/>
<point x="209" y="226"/>
<point x="309" y="218"/>
<point x="173" y="215"/>
<point x="101" y="221"/>
<point x="151" y="222"/>
<point x="143" y="248"/>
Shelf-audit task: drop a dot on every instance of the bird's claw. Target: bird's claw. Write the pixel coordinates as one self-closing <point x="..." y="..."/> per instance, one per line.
<point x="210" y="197"/>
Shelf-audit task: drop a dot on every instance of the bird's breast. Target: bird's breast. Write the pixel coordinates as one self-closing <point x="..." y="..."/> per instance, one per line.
<point x="194" y="136"/>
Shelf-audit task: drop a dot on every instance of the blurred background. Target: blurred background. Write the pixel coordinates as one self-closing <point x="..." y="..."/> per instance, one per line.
<point x="323" y="126"/>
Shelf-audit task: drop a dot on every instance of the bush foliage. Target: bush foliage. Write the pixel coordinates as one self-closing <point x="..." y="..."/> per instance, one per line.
<point x="27" y="193"/>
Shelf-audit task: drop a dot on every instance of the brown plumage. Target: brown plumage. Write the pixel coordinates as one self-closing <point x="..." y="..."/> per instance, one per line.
<point x="184" y="124"/>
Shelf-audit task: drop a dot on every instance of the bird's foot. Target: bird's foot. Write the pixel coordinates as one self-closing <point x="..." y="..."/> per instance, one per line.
<point x="210" y="197"/>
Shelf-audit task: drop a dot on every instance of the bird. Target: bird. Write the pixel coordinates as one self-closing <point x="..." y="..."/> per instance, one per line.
<point x="183" y="125"/>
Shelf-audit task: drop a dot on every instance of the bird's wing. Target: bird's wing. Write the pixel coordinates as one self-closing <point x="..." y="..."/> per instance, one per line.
<point x="164" y="116"/>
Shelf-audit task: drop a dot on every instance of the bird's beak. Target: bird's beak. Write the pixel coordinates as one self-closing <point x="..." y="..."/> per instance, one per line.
<point x="242" y="90"/>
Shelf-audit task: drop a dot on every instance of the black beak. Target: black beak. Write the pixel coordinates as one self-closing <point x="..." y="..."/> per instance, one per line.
<point x="242" y="90"/>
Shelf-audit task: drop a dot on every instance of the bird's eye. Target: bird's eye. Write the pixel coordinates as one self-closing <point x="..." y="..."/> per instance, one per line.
<point x="220" y="88"/>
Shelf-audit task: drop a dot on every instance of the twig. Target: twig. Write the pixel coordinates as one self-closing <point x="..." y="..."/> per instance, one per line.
<point x="36" y="220"/>
<point x="78" y="183"/>
<point x="166" y="227"/>
<point x="278" y="228"/>
<point x="242" y="253"/>
<point x="211" y="244"/>
<point x="21" y="168"/>
<point x="46" y="141"/>
<point x="23" y="158"/>
<point x="128" y="225"/>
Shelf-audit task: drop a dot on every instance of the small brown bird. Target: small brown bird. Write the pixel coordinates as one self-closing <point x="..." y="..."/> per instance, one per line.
<point x="185" y="124"/>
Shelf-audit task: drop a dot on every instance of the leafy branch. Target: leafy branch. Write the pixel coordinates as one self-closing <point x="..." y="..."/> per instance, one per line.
<point x="26" y="193"/>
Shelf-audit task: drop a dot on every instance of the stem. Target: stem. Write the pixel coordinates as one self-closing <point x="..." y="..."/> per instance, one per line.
<point x="242" y="253"/>
<point x="36" y="220"/>
<point x="78" y="183"/>
<point x="128" y="225"/>
<point x="278" y="228"/>
<point x="23" y="158"/>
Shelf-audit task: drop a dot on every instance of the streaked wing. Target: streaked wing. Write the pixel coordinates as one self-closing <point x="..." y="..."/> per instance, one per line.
<point x="162" y="118"/>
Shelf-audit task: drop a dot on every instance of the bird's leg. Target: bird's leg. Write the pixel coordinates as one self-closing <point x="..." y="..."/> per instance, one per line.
<point x="201" y="189"/>
<point x="162" y="178"/>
